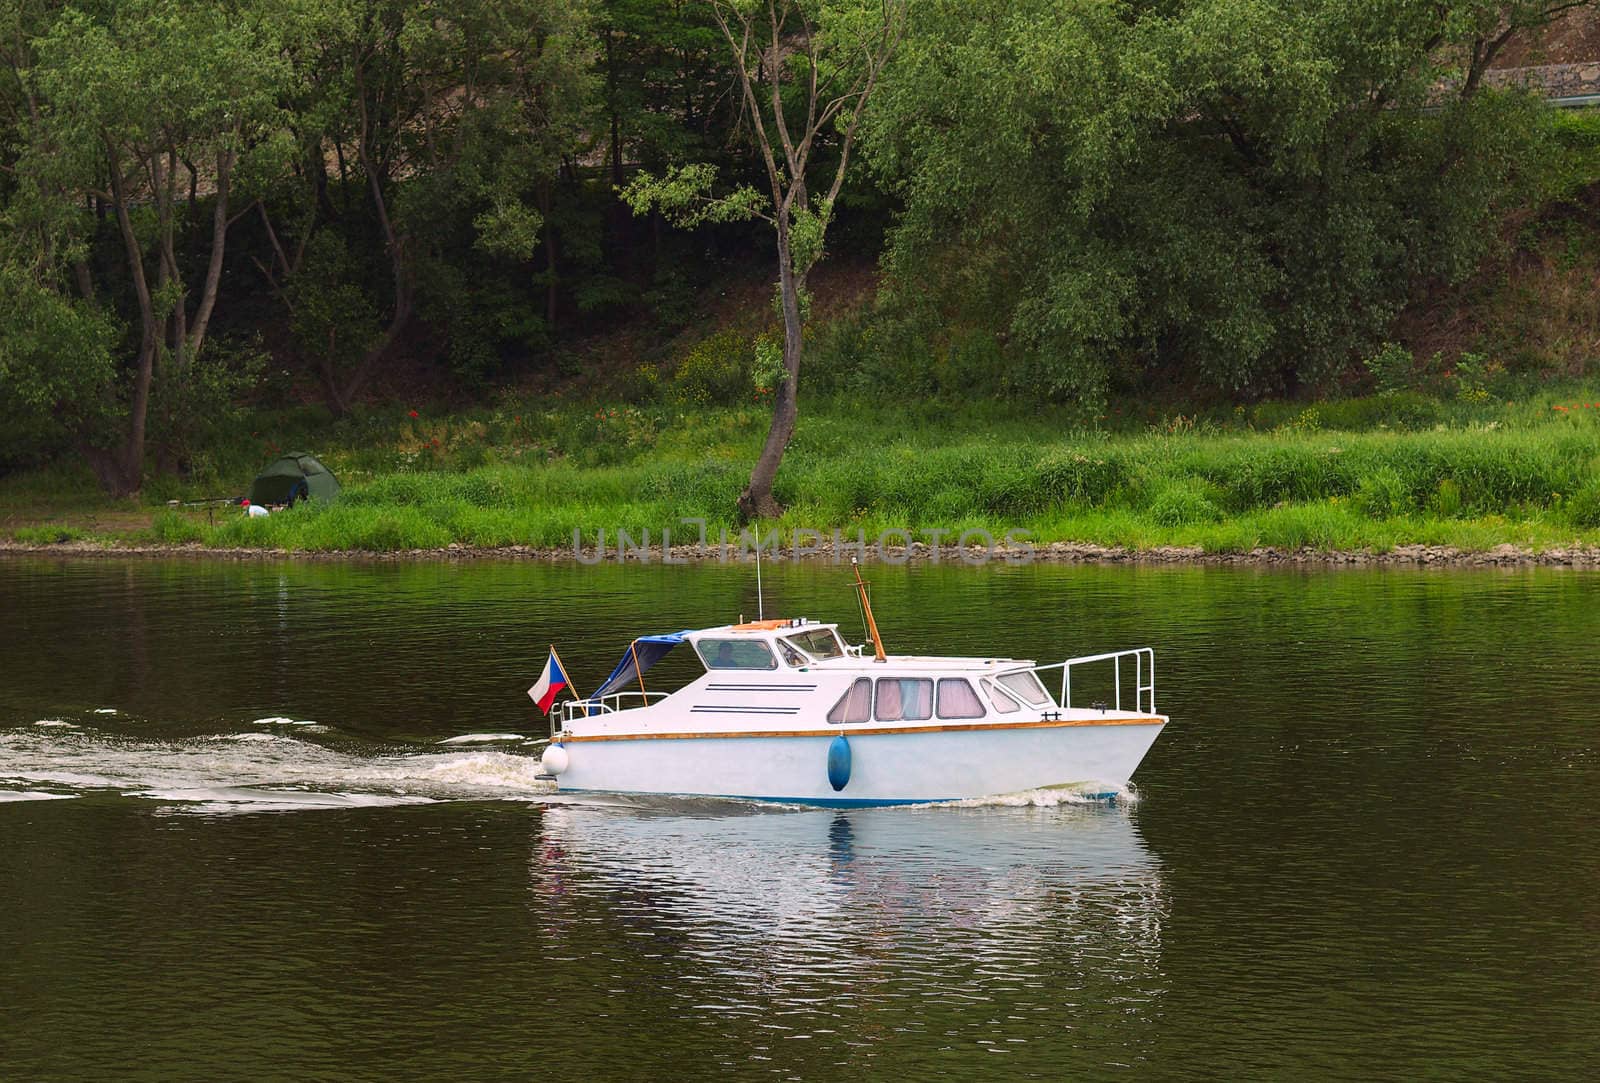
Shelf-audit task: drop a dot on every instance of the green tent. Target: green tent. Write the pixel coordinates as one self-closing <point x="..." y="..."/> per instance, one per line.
<point x="294" y="477"/>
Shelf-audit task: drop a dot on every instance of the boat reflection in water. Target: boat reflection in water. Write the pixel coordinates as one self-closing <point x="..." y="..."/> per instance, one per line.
<point x="1016" y="923"/>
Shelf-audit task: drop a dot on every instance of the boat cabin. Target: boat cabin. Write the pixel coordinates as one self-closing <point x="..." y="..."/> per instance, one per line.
<point x="769" y="644"/>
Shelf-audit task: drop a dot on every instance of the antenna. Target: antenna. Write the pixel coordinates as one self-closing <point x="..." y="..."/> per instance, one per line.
<point x="761" y="611"/>
<point x="866" y="608"/>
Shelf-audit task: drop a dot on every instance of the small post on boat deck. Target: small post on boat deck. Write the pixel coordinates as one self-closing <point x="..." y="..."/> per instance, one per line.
<point x="761" y="609"/>
<point x="866" y="607"/>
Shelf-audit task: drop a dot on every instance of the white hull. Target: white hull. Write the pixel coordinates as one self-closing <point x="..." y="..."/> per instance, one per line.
<point x="936" y="764"/>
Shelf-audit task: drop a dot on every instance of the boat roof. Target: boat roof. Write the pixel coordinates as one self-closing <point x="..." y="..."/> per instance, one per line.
<point x="767" y="629"/>
<point x="761" y="627"/>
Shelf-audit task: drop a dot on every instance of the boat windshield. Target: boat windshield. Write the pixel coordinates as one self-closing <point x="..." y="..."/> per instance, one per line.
<point x="735" y="654"/>
<point x="1026" y="685"/>
<point x="819" y="643"/>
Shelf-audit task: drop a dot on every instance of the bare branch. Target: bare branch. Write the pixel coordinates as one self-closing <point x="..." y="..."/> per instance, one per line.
<point x="741" y="52"/>
<point x="796" y="168"/>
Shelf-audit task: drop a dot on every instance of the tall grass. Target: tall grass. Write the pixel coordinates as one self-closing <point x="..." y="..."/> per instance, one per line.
<point x="1525" y="472"/>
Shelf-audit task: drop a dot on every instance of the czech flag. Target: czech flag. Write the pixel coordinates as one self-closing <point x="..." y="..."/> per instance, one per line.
<point x="550" y="683"/>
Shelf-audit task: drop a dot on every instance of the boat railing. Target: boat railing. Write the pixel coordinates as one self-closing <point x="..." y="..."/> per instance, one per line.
<point x="608" y="704"/>
<point x="1144" y="676"/>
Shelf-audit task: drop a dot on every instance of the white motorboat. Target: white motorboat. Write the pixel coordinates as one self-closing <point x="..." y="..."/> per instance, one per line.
<point x="786" y="711"/>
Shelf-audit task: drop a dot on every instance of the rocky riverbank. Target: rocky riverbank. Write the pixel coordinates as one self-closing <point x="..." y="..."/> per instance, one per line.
<point x="917" y="553"/>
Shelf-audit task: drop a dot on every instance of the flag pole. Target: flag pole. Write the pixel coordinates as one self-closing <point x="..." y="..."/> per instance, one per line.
<point x="568" y="673"/>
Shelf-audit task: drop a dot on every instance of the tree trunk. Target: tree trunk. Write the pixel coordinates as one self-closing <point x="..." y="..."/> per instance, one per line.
<point x="219" y="244"/>
<point x="338" y="399"/>
<point x="344" y="176"/>
<point x="316" y="162"/>
<point x="109" y="470"/>
<point x="611" y="107"/>
<point x="342" y="397"/>
<point x="122" y="473"/>
<point x="756" y="502"/>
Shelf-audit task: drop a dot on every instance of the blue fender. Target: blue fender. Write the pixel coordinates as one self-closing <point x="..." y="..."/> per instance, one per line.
<point x="838" y="763"/>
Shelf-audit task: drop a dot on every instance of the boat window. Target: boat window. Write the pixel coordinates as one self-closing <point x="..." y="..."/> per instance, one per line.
<point x="958" y="700"/>
<point x="735" y="654"/>
<point x="819" y="643"/>
<point x="903" y="699"/>
<point x="1002" y="702"/>
<point x="790" y="655"/>
<point x="1026" y="686"/>
<point x="855" y="705"/>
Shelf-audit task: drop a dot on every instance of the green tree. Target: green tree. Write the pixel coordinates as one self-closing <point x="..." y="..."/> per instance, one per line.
<point x="1231" y="192"/>
<point x="55" y="363"/>
<point x="805" y="72"/>
<point x="661" y="66"/>
<point x="455" y="121"/>
<point x="136" y="107"/>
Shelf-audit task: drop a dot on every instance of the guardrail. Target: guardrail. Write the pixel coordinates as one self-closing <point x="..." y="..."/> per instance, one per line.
<point x="1144" y="676"/>
<point x="610" y="704"/>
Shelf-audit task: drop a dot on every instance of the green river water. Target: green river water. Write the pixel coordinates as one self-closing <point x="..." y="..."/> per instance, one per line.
<point x="277" y="821"/>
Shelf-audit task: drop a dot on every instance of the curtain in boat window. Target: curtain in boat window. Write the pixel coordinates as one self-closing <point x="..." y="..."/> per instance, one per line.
<point x="902" y="699"/>
<point x="958" y="700"/>
<point x="855" y="705"/>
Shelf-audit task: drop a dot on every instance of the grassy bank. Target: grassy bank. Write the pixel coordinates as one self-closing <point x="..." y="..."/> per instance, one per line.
<point x="1359" y="474"/>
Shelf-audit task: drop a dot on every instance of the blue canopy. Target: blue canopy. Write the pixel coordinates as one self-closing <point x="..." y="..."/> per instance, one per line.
<point x="641" y="654"/>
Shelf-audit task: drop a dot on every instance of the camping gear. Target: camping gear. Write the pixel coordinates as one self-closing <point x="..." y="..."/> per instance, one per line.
<point x="295" y="476"/>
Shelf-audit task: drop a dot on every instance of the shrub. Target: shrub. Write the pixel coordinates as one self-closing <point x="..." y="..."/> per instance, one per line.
<point x="715" y="370"/>
<point x="1446" y="500"/>
<point x="835" y="354"/>
<point x="972" y="362"/>
<point x="1393" y="409"/>
<point x="1583" y="508"/>
<point x="695" y="489"/>
<point x="1392" y="368"/>
<point x="1286" y="471"/>
<point x="1184" y="502"/>
<point x="405" y="489"/>
<point x="1475" y="375"/>
<point x="1383" y="494"/>
<point x="482" y="490"/>
<point x="1088" y="479"/>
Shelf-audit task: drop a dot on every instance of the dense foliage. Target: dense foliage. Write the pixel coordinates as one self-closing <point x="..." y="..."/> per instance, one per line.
<point x="1239" y="193"/>
<point x="208" y="203"/>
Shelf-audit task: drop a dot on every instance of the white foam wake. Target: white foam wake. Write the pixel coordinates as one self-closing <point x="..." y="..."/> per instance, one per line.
<point x="482" y="738"/>
<point x="33" y="795"/>
<point x="1052" y="797"/>
<point x="235" y="799"/>
<point x="258" y="771"/>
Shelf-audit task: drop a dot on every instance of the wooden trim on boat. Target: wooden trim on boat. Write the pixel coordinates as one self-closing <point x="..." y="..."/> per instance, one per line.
<point x="848" y="730"/>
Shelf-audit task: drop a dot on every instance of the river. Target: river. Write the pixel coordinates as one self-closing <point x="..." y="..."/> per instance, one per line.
<point x="268" y="820"/>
